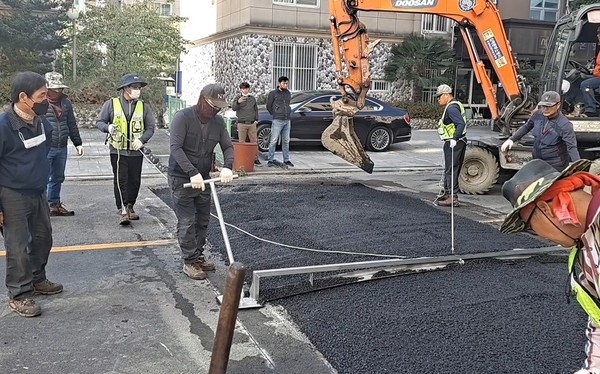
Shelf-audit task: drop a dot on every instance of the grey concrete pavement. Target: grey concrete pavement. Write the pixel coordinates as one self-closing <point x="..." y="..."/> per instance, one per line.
<point x="422" y="152"/>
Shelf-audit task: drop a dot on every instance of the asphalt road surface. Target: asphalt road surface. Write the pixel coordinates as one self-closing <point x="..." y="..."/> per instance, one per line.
<point x="486" y="316"/>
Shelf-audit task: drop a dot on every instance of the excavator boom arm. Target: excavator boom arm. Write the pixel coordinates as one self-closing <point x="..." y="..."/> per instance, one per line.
<point x="351" y="45"/>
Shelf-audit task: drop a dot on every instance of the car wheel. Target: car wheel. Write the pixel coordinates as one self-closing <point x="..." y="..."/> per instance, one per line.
<point x="263" y="134"/>
<point x="479" y="171"/>
<point x="379" y="139"/>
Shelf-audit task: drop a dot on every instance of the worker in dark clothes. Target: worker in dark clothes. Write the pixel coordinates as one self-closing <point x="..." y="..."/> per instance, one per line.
<point x="25" y="140"/>
<point x="452" y="129"/>
<point x="553" y="134"/>
<point x="195" y="131"/>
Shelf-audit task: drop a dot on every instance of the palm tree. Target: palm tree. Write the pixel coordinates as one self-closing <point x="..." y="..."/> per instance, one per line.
<point x="416" y="58"/>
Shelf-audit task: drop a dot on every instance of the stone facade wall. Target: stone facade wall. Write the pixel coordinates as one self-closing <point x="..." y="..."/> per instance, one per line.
<point x="249" y="58"/>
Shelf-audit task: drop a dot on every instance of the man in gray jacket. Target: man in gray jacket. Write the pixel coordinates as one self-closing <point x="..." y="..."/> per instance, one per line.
<point x="553" y="135"/>
<point x="246" y="111"/>
<point x="195" y="131"/>
<point x="278" y="104"/>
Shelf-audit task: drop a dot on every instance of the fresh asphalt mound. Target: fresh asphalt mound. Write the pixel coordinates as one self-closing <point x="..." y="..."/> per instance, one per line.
<point x="486" y="316"/>
<point x="339" y="217"/>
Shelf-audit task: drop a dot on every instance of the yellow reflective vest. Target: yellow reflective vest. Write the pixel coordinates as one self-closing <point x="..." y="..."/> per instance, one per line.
<point x="588" y="302"/>
<point x="128" y="131"/>
<point x="446" y="131"/>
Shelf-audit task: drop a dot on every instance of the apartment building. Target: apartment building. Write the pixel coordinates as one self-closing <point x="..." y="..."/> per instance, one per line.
<point x="259" y="40"/>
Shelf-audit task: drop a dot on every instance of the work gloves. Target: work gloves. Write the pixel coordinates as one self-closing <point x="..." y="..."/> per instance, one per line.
<point x="197" y="181"/>
<point x="136" y="145"/>
<point x="226" y="175"/>
<point x="79" y="150"/>
<point x="507" y="145"/>
<point x="452" y="143"/>
<point x="112" y="129"/>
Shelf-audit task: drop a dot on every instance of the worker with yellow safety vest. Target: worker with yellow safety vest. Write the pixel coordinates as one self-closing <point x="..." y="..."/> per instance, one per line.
<point x="129" y="124"/>
<point x="452" y="129"/>
<point x="564" y="207"/>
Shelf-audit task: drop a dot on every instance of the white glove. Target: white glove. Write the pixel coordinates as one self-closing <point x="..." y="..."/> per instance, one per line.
<point x="452" y="143"/>
<point x="112" y="129"/>
<point x="197" y="181"/>
<point x="79" y="150"/>
<point x="136" y="145"/>
<point x="226" y="175"/>
<point x="507" y="145"/>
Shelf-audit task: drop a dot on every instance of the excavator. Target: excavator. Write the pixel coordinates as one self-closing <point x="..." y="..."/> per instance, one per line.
<point x="475" y="18"/>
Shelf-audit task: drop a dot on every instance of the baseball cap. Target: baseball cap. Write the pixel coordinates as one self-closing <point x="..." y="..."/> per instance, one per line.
<point x="215" y="94"/>
<point x="529" y="183"/>
<point x="549" y="98"/>
<point x="443" y="89"/>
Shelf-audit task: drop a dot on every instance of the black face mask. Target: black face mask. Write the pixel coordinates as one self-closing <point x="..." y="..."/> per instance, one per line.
<point x="40" y="108"/>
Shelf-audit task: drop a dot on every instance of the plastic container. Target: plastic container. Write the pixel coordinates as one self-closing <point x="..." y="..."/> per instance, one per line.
<point x="244" y="155"/>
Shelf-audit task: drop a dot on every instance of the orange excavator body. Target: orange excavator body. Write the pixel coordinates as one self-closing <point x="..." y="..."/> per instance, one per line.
<point x="351" y="49"/>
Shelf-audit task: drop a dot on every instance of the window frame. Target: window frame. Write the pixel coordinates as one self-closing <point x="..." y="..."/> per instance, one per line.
<point x="294" y="70"/>
<point x="436" y="20"/>
<point x="294" y="3"/>
<point x="160" y="8"/>
<point x="543" y="9"/>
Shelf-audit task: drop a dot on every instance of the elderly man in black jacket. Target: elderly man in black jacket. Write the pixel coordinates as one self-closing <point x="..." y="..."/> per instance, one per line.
<point x="61" y="117"/>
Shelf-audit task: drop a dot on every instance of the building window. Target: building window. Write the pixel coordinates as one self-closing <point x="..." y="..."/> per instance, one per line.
<point x="298" y="62"/>
<point x="431" y="23"/>
<point x="164" y="10"/>
<point x="379" y="85"/>
<point x="311" y="3"/>
<point x="544" y="10"/>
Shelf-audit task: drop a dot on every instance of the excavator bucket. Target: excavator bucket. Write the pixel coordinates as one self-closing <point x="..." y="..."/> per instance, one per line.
<point x="340" y="137"/>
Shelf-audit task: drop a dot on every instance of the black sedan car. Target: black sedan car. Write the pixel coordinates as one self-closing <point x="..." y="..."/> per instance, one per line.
<point x="378" y="125"/>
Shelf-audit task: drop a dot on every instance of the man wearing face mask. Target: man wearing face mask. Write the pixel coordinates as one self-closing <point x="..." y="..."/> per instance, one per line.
<point x="129" y="123"/>
<point x="25" y="139"/>
<point x="195" y="131"/>
<point x="246" y="111"/>
<point x="61" y="117"/>
<point x="553" y="135"/>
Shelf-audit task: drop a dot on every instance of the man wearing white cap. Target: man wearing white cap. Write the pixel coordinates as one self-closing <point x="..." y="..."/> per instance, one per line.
<point x="553" y="135"/>
<point x="61" y="117"/>
<point x="452" y="129"/>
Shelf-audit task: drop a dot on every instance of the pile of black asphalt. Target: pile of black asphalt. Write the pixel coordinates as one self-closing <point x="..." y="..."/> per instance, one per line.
<point x="486" y="316"/>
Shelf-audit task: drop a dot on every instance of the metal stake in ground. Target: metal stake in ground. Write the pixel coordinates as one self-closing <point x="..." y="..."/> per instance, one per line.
<point x="452" y="201"/>
<point x="227" y="318"/>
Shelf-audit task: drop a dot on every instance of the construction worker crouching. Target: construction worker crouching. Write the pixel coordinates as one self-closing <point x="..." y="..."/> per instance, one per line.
<point x="129" y="124"/>
<point x="452" y="129"/>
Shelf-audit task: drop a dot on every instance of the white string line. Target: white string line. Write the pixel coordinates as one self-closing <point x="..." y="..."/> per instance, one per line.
<point x="282" y="244"/>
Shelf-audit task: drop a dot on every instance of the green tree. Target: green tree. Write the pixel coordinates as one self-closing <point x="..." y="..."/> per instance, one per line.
<point x="417" y="59"/>
<point x="30" y="32"/>
<point x="576" y="4"/>
<point x="116" y="40"/>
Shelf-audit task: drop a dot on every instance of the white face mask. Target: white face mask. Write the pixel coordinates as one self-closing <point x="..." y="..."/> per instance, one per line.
<point x="135" y="94"/>
<point x="35" y="141"/>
